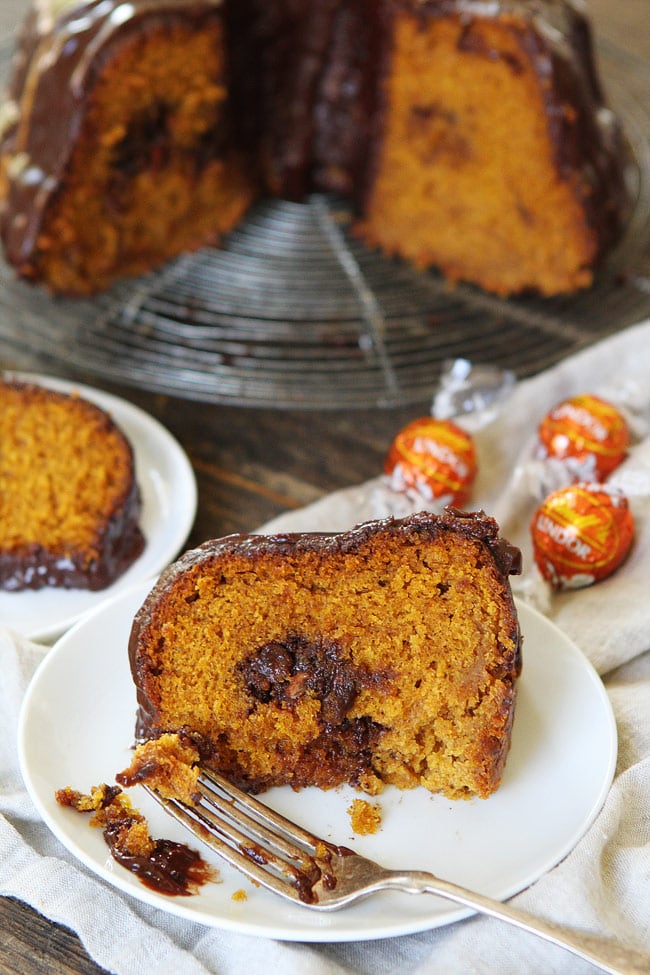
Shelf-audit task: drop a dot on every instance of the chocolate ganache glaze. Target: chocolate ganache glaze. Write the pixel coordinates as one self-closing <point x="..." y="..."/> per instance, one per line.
<point x="36" y="567"/>
<point x="313" y="107"/>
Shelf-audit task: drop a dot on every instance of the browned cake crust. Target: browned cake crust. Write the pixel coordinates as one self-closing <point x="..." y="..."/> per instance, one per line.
<point x="469" y="135"/>
<point x="69" y="501"/>
<point x="386" y="654"/>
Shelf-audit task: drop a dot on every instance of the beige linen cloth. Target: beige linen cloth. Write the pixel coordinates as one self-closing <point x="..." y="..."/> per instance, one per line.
<point x="602" y="886"/>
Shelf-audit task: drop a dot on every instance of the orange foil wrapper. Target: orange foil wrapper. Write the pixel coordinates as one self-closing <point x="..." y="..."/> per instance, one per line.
<point x="589" y="433"/>
<point x="435" y="458"/>
<point x="580" y="534"/>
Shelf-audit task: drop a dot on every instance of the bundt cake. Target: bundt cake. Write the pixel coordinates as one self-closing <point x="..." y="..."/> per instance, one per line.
<point x="468" y="135"/>
<point x="69" y="500"/>
<point x="386" y="654"/>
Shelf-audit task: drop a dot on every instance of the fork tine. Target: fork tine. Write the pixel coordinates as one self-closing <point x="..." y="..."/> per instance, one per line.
<point x="261" y="843"/>
<point x="263" y="815"/>
<point x="264" y="870"/>
<point x="244" y="816"/>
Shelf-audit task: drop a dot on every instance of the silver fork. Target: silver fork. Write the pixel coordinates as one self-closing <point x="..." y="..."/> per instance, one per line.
<point x="322" y="876"/>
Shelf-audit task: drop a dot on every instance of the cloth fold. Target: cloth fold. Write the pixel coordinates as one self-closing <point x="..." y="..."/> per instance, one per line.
<point x="512" y="482"/>
<point x="603" y="885"/>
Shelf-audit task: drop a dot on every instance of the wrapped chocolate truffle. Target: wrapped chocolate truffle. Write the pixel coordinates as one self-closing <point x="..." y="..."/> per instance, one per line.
<point x="581" y="533"/>
<point x="586" y="432"/>
<point x="435" y="459"/>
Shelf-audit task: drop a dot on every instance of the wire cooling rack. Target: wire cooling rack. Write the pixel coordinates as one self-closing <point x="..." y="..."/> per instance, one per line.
<point x="293" y="312"/>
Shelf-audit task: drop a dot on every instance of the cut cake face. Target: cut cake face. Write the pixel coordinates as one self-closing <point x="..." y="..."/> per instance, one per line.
<point x="384" y="655"/>
<point x="69" y="500"/>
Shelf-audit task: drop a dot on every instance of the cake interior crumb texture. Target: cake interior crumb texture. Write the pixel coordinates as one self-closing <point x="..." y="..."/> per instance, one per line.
<point x="365" y="817"/>
<point x="69" y="500"/>
<point x="390" y="659"/>
<point x="472" y="137"/>
<point x="150" y="171"/>
<point x="467" y="151"/>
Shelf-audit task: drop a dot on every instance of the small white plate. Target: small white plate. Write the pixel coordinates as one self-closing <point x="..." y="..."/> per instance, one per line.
<point x="169" y="500"/>
<point x="76" y="728"/>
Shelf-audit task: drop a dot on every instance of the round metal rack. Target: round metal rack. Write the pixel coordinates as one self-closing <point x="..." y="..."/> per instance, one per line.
<point x="293" y="312"/>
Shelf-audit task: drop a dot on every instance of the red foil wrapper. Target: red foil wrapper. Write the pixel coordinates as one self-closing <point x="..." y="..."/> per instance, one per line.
<point x="589" y="433"/>
<point x="435" y="458"/>
<point x="580" y="534"/>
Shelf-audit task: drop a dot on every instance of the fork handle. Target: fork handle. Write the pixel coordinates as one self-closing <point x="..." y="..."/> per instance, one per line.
<point x="607" y="955"/>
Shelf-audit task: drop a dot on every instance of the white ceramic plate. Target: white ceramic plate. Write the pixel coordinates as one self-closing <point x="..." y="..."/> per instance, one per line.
<point x="76" y="729"/>
<point x="169" y="499"/>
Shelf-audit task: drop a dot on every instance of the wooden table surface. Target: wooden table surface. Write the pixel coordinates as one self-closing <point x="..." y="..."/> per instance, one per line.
<point x="252" y="464"/>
